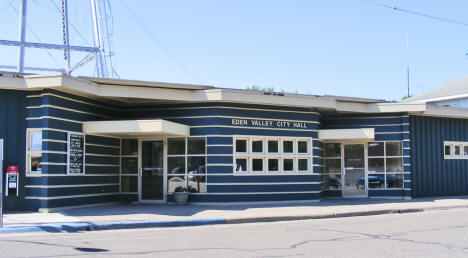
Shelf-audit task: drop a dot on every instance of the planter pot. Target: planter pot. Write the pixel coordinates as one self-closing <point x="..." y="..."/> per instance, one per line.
<point x="181" y="198"/>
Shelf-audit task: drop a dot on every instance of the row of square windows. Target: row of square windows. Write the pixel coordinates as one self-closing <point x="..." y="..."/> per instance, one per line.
<point x="455" y="150"/>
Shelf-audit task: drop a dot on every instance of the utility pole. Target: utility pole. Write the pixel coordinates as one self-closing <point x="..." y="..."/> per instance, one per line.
<point x="22" y="34"/>
<point x="407" y="65"/>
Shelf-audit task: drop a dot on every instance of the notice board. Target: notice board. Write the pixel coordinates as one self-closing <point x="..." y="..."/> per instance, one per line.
<point x="76" y="154"/>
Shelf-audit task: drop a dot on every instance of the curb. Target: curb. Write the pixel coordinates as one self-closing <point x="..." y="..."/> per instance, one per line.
<point x="87" y="226"/>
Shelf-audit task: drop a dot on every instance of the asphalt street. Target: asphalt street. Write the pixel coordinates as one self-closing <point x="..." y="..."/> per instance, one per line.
<point x="424" y="234"/>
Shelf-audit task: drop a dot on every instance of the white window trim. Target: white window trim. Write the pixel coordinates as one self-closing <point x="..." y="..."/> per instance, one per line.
<point x="280" y="156"/>
<point x="30" y="153"/>
<point x="185" y="156"/>
<point x="452" y="145"/>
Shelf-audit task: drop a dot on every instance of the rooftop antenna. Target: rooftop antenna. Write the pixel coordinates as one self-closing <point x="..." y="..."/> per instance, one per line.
<point x="99" y="51"/>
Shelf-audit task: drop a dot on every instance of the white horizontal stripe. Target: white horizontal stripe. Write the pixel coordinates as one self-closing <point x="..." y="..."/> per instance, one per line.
<point x="71" y="110"/>
<point x="407" y="181"/>
<point x="102" y="155"/>
<point x="102" y="165"/>
<point x="369" y="125"/>
<point x="65" y="175"/>
<point x="106" y="136"/>
<point x="402" y="132"/>
<point x="254" y="128"/>
<point x="68" y="186"/>
<point x="258" y="193"/>
<point x="227" y="107"/>
<point x="54" y="129"/>
<point x="54" y="152"/>
<point x="69" y="196"/>
<point x="51" y="140"/>
<point x="269" y="183"/>
<point x="369" y="117"/>
<point x="277" y="174"/>
<point x="102" y="145"/>
<point x="54" y="118"/>
<point x="241" y="117"/>
<point x="53" y="163"/>
<point x="74" y="100"/>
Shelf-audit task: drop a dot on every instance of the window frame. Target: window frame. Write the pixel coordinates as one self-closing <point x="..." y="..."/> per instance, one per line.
<point x="30" y="153"/>
<point x="452" y="145"/>
<point x="280" y="155"/>
<point x="186" y="157"/>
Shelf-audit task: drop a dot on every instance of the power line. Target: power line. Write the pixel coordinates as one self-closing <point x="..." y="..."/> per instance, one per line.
<point x="394" y="8"/>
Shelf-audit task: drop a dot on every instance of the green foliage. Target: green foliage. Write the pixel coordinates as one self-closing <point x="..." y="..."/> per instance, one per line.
<point x="406" y="97"/>
<point x="270" y="89"/>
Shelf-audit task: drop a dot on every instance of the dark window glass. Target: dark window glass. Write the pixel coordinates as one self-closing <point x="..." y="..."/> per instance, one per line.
<point x="129" y="184"/>
<point x="332" y="150"/>
<point x="176" y="146"/>
<point x="456" y="150"/>
<point x="241" y="145"/>
<point x="288" y="164"/>
<point x="129" y="165"/>
<point x="376" y="165"/>
<point x="375" y="149"/>
<point x="448" y="150"/>
<point x="333" y="181"/>
<point x="394" y="165"/>
<point x="303" y="164"/>
<point x="394" y="181"/>
<point x="257" y="165"/>
<point x="288" y="146"/>
<point x="176" y="165"/>
<point x="273" y="165"/>
<point x="302" y="147"/>
<point x="36" y="163"/>
<point x="333" y="166"/>
<point x="241" y="165"/>
<point x="196" y="165"/>
<point x="393" y="149"/>
<point x="129" y="147"/>
<point x="376" y="180"/>
<point x="257" y="146"/>
<point x="272" y="146"/>
<point x="196" y="146"/>
<point x="465" y="150"/>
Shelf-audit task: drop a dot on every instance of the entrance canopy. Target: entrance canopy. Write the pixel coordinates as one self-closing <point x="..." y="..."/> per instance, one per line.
<point x="359" y="134"/>
<point x="136" y="128"/>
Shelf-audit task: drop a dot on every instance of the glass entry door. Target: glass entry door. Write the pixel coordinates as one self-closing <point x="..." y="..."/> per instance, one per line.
<point x="354" y="171"/>
<point x="151" y="179"/>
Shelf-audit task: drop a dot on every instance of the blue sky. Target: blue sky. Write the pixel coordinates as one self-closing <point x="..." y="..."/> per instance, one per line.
<point x="332" y="47"/>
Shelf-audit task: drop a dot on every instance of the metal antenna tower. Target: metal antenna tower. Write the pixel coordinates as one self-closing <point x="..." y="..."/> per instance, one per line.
<point x="100" y="51"/>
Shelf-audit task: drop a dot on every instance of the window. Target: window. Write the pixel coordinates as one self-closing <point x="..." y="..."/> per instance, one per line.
<point x="129" y="166"/>
<point x="455" y="150"/>
<point x="332" y="175"/>
<point x="34" y="152"/>
<point x="385" y="164"/>
<point x="272" y="155"/>
<point x="186" y="163"/>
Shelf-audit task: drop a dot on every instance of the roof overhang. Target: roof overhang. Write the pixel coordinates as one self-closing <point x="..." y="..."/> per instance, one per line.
<point x="157" y="127"/>
<point x="359" y="134"/>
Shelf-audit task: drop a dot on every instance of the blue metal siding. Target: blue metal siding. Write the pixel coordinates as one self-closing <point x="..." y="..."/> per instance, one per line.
<point x="13" y="131"/>
<point x="432" y="175"/>
<point x="58" y="113"/>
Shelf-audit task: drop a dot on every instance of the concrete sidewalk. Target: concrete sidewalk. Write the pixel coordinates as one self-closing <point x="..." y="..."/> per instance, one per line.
<point x="158" y="215"/>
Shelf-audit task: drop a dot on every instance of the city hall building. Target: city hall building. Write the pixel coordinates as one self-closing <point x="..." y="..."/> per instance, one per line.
<point x="80" y="141"/>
